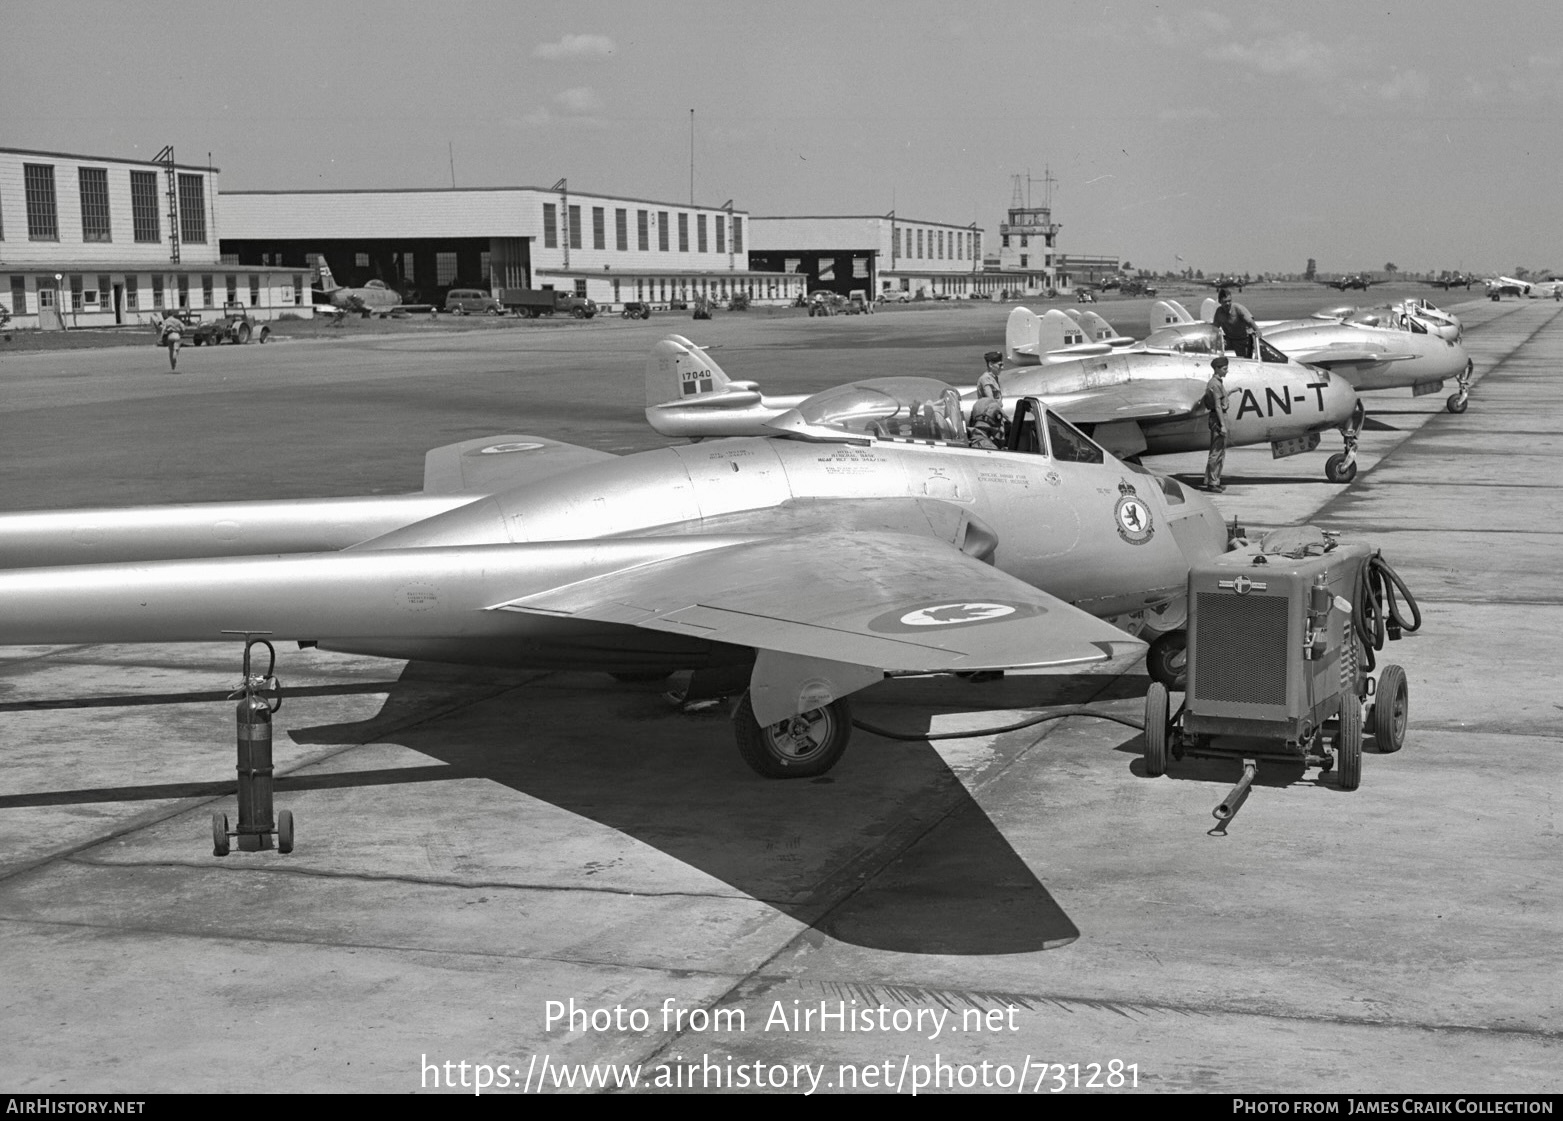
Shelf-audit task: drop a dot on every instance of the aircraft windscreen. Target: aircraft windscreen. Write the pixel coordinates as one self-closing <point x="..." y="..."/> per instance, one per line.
<point x="1268" y="353"/>
<point x="1069" y="443"/>
<point x="922" y="408"/>
<point x="1186" y="339"/>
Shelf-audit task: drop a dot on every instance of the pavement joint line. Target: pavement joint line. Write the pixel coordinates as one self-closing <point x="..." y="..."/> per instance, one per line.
<point x="236" y="935"/>
<point x="418" y="881"/>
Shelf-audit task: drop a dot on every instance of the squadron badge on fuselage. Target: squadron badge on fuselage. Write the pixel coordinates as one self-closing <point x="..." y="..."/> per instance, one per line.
<point x="1133" y="515"/>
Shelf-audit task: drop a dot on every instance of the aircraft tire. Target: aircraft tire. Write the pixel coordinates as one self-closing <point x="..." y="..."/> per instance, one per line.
<point x="1336" y="470"/>
<point x="1391" y="710"/>
<point x="285" y="832"/>
<point x="1156" y="705"/>
<point x="1167" y="660"/>
<point x="219" y="834"/>
<point x="781" y="751"/>
<point x="1348" y="744"/>
<point x="1456" y="405"/>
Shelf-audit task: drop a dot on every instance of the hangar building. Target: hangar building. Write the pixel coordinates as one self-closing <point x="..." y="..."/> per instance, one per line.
<point x="609" y="248"/>
<point x="878" y="254"/>
<point x="89" y="241"/>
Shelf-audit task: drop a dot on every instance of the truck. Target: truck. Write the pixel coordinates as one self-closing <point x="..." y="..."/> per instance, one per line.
<point x="533" y="302"/>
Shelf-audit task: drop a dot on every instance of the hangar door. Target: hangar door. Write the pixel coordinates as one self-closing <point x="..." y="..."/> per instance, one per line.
<point x="509" y="262"/>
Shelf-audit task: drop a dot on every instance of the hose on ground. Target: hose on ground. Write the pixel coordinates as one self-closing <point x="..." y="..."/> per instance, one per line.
<point x="1073" y="710"/>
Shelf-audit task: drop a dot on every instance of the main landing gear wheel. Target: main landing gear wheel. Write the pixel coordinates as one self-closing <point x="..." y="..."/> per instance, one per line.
<point x="1348" y="743"/>
<point x="801" y="746"/>
<point x="1338" y="470"/>
<point x="1391" y="710"/>
<point x="1167" y="661"/>
<point x="219" y="834"/>
<point x="1156" y="729"/>
<point x="285" y="832"/>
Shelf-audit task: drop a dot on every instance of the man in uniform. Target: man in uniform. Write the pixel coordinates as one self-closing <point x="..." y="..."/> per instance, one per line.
<point x="986" y="429"/>
<point x="1215" y="400"/>
<point x="1238" y="329"/>
<point x="170" y="333"/>
<point x="988" y="383"/>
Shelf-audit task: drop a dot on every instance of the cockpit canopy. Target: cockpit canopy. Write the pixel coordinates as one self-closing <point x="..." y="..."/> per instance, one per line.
<point x="921" y="408"/>
<point x="1186" y="338"/>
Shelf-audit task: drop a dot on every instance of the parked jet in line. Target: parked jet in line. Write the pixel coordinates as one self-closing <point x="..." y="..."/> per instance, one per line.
<point x="1405" y="351"/>
<point x="1506" y="286"/>
<point x="862" y="539"/>
<point x="1135" y="400"/>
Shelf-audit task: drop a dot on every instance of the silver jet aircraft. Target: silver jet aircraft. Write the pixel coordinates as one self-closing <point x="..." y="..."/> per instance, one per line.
<point x="1143" y="399"/>
<point x="1401" y="351"/>
<point x="862" y="539"/>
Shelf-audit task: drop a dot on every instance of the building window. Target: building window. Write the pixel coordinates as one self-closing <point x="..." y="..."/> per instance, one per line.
<point x="683" y="233"/>
<point x="550" y="227"/>
<point x="409" y="267"/>
<point x="103" y="289"/>
<point x="76" y="292"/>
<point x="42" y="222"/>
<point x="157" y="293"/>
<point x="662" y="230"/>
<point x="919" y="243"/>
<point x="1025" y="259"/>
<point x="580" y="288"/>
<point x="642" y="230"/>
<point x="721" y="234"/>
<point x="445" y="268"/>
<point x="621" y="229"/>
<point x="254" y="290"/>
<point x="1004" y="241"/>
<point x="298" y="290"/>
<point x="132" y="302"/>
<point x="700" y="232"/>
<point x="361" y="260"/>
<point x="575" y="227"/>
<point x="738" y="235"/>
<point x="232" y="288"/>
<point x="485" y="261"/>
<point x="94" y="183"/>
<point x="206" y="289"/>
<point x="599" y="228"/>
<point x="192" y="209"/>
<point x="143" y="207"/>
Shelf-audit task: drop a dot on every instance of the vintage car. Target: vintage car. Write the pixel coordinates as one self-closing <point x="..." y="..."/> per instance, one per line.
<point x="235" y="326"/>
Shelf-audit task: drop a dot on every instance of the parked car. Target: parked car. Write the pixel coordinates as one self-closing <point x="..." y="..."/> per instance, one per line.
<point x="895" y="296"/>
<point x="472" y="301"/>
<point x="857" y="303"/>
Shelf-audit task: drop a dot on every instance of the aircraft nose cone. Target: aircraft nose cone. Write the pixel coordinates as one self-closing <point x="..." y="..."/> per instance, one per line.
<point x="1340" y="401"/>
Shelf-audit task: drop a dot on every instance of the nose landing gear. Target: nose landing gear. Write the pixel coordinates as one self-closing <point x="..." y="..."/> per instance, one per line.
<point x="1342" y="467"/>
<point x="1458" y="401"/>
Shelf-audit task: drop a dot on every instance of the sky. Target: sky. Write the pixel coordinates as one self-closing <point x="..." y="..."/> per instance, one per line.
<point x="1241" y="137"/>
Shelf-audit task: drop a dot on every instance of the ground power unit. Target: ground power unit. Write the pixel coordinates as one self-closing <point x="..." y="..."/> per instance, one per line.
<point x="1281" y="637"/>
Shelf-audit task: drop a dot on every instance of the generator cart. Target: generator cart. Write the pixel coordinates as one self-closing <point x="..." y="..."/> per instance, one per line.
<point x="1281" y="636"/>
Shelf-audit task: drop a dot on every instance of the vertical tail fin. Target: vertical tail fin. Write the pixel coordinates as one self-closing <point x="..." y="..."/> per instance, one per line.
<point x="1097" y="329"/>
<point x="1168" y="313"/>
<point x="1021" y="333"/>
<point x="1207" y="310"/>
<point x="327" y="282"/>
<point x="677" y="369"/>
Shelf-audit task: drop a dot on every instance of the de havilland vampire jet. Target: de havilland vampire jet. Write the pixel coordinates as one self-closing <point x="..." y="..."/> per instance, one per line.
<point x="1400" y="351"/>
<point x="862" y="539"/>
<point x="1140" y="399"/>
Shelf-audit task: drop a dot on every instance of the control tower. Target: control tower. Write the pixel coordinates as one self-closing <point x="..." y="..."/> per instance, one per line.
<point x="1027" y="241"/>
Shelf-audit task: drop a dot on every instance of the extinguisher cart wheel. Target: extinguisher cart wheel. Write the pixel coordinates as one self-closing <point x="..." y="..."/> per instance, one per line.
<point x="1156" y="706"/>
<point x="1348" y="743"/>
<point x="219" y="834"/>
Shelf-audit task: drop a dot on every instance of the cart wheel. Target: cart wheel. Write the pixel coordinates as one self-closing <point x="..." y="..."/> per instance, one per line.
<point x="219" y="834"/>
<point x="285" y="831"/>
<point x="1348" y="743"/>
<point x="1167" y="661"/>
<point x="1391" y="710"/>
<point x="265" y="333"/>
<point x="244" y="333"/>
<point x="1336" y="470"/>
<point x="1156" y="729"/>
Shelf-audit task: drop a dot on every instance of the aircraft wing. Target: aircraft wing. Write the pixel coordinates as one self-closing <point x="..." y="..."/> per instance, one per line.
<point x="845" y="608"/>
<point x="495" y="463"/>
<point x="1330" y="356"/>
<point x="1134" y="400"/>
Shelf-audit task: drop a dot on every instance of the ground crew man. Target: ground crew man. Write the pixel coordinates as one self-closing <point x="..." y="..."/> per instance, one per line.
<point x="988" y="383"/>
<point x="170" y="333"/>
<point x="1238" y="330"/>
<point x="1215" y="400"/>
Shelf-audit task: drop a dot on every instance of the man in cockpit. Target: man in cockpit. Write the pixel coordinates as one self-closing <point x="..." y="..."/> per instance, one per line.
<point x="1238" y="329"/>
<point x="986" y="429"/>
